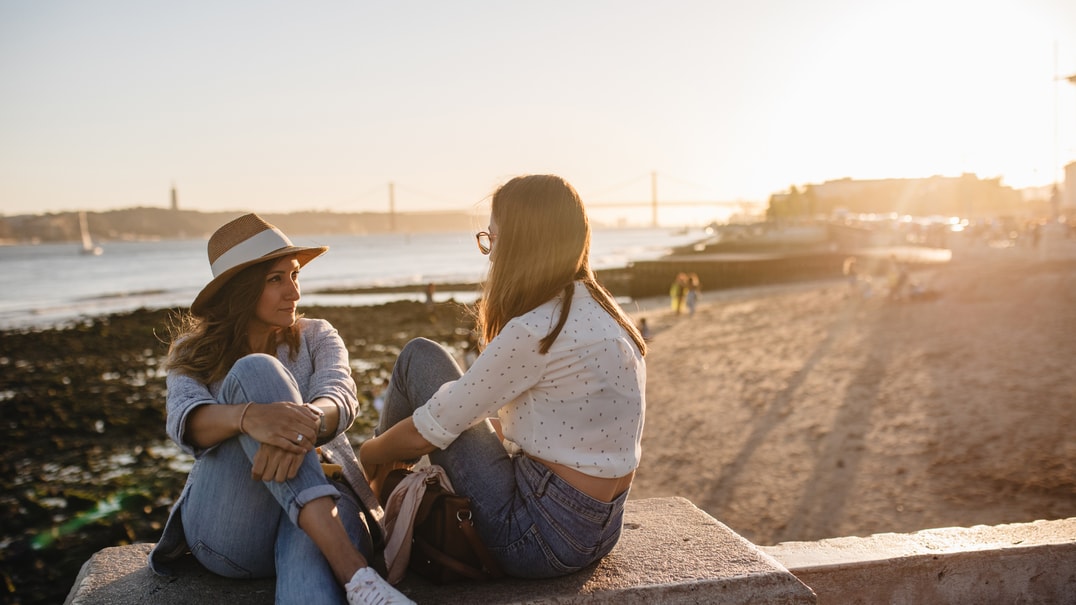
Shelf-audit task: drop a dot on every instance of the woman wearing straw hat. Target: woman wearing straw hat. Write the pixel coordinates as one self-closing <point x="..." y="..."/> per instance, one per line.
<point x="562" y="372"/>
<point x="253" y="388"/>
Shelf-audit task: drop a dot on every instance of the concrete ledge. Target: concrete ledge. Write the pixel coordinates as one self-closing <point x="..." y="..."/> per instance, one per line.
<point x="1015" y="563"/>
<point x="670" y="552"/>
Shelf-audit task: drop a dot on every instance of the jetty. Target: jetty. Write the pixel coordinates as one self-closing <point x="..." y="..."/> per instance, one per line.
<point x="750" y="255"/>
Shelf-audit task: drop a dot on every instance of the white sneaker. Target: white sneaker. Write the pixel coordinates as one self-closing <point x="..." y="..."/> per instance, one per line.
<point x="368" y="588"/>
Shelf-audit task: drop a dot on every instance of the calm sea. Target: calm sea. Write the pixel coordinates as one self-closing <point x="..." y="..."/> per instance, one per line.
<point x="51" y="284"/>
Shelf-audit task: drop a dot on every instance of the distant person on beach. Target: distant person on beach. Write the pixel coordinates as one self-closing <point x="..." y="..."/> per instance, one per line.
<point x="1035" y="231"/>
<point x="677" y="293"/>
<point x="898" y="278"/>
<point x="859" y="284"/>
<point x="543" y="432"/>
<point x="851" y="272"/>
<point x="694" y="293"/>
<point x="253" y="387"/>
<point x="644" y="329"/>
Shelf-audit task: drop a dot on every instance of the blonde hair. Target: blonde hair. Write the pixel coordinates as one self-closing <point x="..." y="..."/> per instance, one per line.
<point x="542" y="249"/>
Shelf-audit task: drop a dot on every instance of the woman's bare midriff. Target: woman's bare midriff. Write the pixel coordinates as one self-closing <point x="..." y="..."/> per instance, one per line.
<point x="599" y="488"/>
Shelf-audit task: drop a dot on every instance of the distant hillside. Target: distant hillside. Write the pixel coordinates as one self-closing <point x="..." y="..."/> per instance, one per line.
<point x="161" y="223"/>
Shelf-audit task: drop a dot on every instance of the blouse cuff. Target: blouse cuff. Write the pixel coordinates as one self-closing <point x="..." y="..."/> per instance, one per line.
<point x="431" y="430"/>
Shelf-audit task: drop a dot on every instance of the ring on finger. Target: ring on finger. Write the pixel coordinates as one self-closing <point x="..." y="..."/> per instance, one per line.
<point x="299" y="439"/>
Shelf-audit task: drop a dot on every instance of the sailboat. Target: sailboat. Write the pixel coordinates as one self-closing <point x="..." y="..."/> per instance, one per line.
<point x="88" y="247"/>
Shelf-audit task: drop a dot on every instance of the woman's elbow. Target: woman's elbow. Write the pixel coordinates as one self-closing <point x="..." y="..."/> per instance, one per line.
<point x="419" y="446"/>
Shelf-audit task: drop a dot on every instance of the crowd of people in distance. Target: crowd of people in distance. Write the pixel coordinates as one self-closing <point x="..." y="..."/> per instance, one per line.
<point x="898" y="283"/>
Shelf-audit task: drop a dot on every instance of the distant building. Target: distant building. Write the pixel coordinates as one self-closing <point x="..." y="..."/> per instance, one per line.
<point x="175" y="199"/>
<point x="966" y="195"/>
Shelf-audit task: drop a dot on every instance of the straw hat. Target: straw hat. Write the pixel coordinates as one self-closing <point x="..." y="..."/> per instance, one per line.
<point x="241" y="243"/>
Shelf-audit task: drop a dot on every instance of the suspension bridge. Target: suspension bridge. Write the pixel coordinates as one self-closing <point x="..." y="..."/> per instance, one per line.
<point x="598" y="201"/>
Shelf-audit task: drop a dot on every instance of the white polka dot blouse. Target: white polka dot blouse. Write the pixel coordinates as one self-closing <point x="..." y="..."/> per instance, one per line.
<point x="581" y="404"/>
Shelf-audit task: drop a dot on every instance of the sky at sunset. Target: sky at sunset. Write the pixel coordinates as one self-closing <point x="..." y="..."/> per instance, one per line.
<point x="284" y="106"/>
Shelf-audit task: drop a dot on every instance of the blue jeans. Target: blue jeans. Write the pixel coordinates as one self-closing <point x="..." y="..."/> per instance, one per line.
<point x="239" y="527"/>
<point x="534" y="523"/>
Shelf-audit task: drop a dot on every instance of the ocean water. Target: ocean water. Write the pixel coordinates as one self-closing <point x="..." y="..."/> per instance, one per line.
<point x="53" y="284"/>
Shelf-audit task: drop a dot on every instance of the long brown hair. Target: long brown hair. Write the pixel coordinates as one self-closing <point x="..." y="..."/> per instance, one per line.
<point x="206" y="346"/>
<point x="542" y="249"/>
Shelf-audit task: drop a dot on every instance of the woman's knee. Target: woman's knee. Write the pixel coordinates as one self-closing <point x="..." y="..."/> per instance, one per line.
<point x="259" y="378"/>
<point x="256" y="363"/>
<point x="431" y="356"/>
<point x="421" y="348"/>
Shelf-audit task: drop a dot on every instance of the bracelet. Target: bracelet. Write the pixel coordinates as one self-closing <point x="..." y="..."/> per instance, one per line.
<point x="322" y="429"/>
<point x="242" y="416"/>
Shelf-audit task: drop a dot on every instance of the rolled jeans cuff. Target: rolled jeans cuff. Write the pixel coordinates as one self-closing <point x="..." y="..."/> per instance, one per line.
<point x="308" y="495"/>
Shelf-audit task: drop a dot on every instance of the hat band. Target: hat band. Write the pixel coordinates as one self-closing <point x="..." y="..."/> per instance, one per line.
<point x="250" y="249"/>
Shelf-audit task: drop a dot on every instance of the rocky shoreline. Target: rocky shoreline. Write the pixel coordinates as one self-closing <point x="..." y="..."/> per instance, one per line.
<point x="87" y="463"/>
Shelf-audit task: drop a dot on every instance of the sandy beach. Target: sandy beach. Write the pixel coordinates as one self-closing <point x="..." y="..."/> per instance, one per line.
<point x="799" y="412"/>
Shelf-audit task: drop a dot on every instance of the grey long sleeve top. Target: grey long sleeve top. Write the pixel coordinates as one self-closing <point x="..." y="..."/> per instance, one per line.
<point x="320" y="368"/>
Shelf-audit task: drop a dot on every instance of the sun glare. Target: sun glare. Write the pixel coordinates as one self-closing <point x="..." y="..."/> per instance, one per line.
<point x="886" y="92"/>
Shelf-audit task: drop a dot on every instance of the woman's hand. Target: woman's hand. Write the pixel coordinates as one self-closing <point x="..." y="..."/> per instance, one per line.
<point x="274" y="464"/>
<point x="369" y="469"/>
<point x="375" y="473"/>
<point x="386" y="452"/>
<point x="278" y="424"/>
<point x="290" y="427"/>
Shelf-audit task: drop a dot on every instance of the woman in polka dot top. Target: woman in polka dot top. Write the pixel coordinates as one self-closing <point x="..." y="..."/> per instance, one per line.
<point x="543" y="431"/>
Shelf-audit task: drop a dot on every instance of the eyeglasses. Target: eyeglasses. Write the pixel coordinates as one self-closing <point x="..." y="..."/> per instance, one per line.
<point x="485" y="241"/>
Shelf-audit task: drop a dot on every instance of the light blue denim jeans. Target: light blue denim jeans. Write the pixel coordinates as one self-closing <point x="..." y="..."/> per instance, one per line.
<point x="534" y="523"/>
<point x="239" y="527"/>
